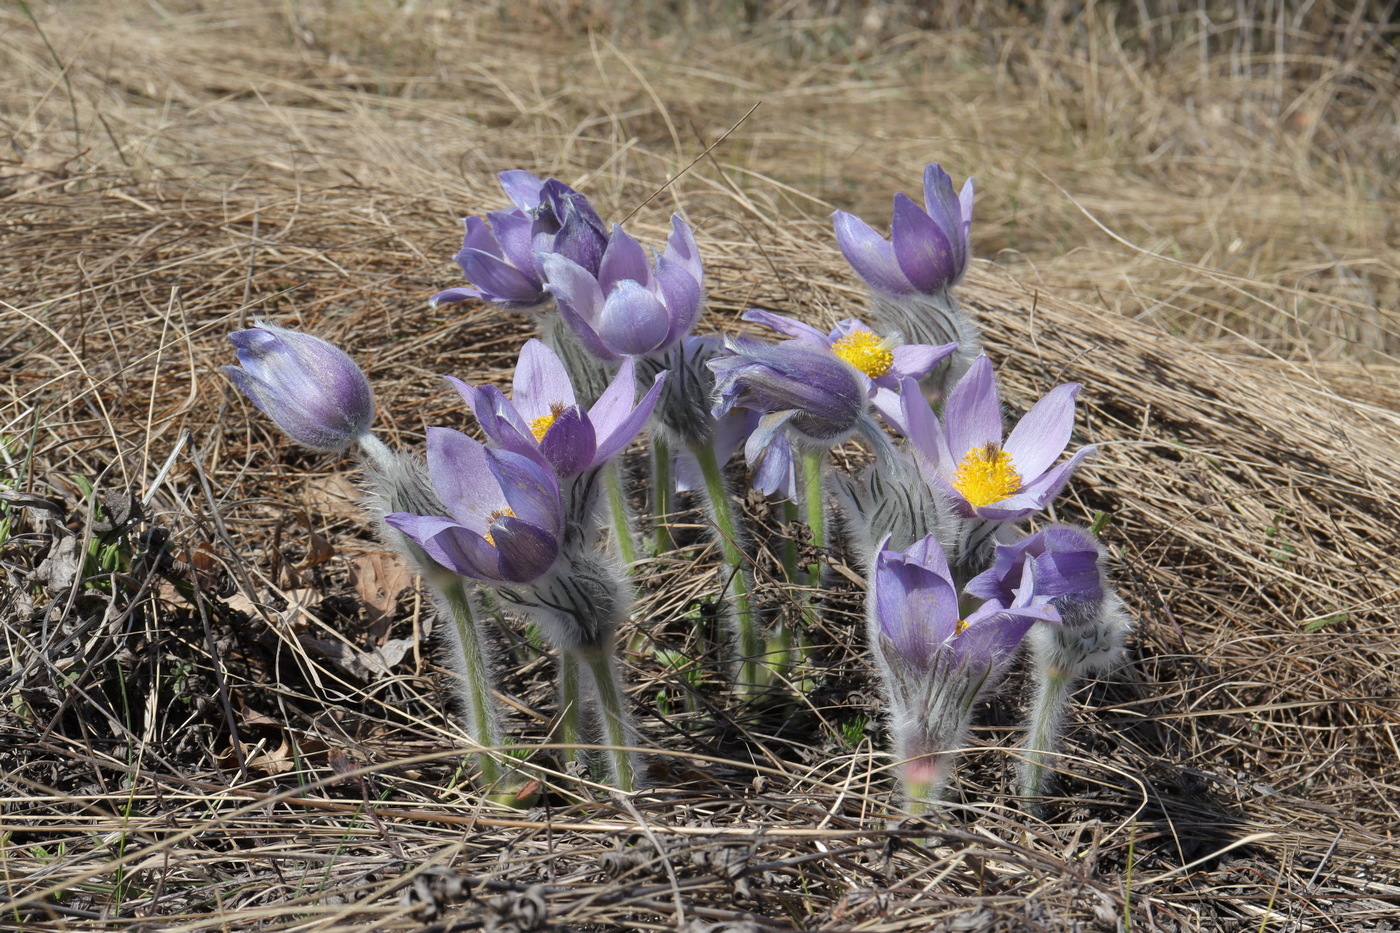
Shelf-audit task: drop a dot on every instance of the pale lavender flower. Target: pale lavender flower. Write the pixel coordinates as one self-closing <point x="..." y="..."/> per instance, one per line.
<point x="928" y="249"/>
<point x="543" y="419"/>
<point x="506" y="515"/>
<point x="883" y="361"/>
<point x="629" y="306"/>
<point x="500" y="255"/>
<point x="987" y="474"/>
<point x="935" y="662"/>
<point x="312" y="390"/>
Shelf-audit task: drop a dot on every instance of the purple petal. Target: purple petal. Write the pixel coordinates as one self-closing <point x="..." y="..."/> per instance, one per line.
<point x="522" y="188"/>
<point x="452" y="296"/>
<point x="1041" y="435"/>
<point x="1049" y="484"/>
<point x="541" y="381"/>
<point x="570" y="443"/>
<point x="459" y="549"/>
<point x="919" y="359"/>
<point x="775" y="470"/>
<point x="633" y="320"/>
<point x="993" y="635"/>
<point x="683" y="297"/>
<point x="939" y="200"/>
<point x="500" y="421"/>
<point x="512" y="231"/>
<point x="790" y="326"/>
<point x="923" y="250"/>
<point x="765" y="434"/>
<point x="915" y="607"/>
<point x="870" y="255"/>
<point x="973" y="411"/>
<point x="459" y="470"/>
<point x="530" y="489"/>
<point x="923" y="429"/>
<point x="479" y="237"/>
<point x="614" y="432"/>
<point x="681" y="249"/>
<point x="585" y="333"/>
<point x="498" y="279"/>
<point x="526" y="552"/>
<point x="623" y="260"/>
<point x="568" y="281"/>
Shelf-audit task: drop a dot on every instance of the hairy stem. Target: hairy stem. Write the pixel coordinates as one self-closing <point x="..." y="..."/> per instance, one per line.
<point x="612" y="711"/>
<point x="570" y="707"/>
<point x="473" y="678"/>
<point x="621" y="519"/>
<point x="813" y="466"/>
<point x="1051" y="695"/>
<point x="662" y="492"/>
<point x="727" y="523"/>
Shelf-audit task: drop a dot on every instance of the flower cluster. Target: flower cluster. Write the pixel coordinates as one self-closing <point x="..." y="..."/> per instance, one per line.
<point x="537" y="513"/>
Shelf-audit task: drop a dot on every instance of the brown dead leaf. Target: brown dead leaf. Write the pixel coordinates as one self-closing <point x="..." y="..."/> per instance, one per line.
<point x="336" y="496"/>
<point x="378" y="580"/>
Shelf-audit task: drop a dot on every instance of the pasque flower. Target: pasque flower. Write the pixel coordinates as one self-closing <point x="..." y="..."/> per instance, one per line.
<point x="628" y="306"/>
<point x="543" y="419"/>
<point x="936" y="662"/>
<point x="500" y="255"/>
<point x="988" y="474"/>
<point x="309" y="387"/>
<point x="928" y="247"/>
<point x="506" y="514"/>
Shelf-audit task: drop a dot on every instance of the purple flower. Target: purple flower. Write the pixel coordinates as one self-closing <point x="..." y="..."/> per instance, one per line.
<point x="1066" y="561"/>
<point x="882" y="361"/>
<point x="930" y="248"/>
<point x="543" y="419"/>
<point x="507" y="516"/>
<point x="806" y="389"/>
<point x="310" y="388"/>
<point x="627" y="306"/>
<point x="916" y="611"/>
<point x="965" y="454"/>
<point x="500" y="255"/>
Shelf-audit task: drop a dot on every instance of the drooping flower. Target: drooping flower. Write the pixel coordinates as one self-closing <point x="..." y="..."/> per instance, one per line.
<point x="500" y="255"/>
<point x="936" y="662"/>
<point x="882" y="361"/>
<point x="628" y="306"/>
<point x="506" y="515"/>
<point x="990" y="475"/>
<point x="929" y="249"/>
<point x="543" y="419"/>
<point x="308" y="386"/>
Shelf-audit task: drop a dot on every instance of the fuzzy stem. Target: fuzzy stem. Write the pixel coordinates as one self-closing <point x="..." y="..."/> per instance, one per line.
<point x="750" y="644"/>
<point x="790" y="516"/>
<point x="1052" y="688"/>
<point x="474" y="680"/>
<point x="621" y="519"/>
<point x="617" y="725"/>
<point x="570" y="707"/>
<point x="662" y="492"/>
<point x="813" y="463"/>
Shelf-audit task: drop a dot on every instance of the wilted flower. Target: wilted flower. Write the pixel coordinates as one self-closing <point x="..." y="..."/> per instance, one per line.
<point x="500" y="256"/>
<point x="883" y="361"/>
<point x="309" y="387"/>
<point x="507" y="516"/>
<point x="627" y="306"/>
<point x="930" y="249"/>
<point x="543" y="419"/>
<point x="935" y="661"/>
<point x="965" y="455"/>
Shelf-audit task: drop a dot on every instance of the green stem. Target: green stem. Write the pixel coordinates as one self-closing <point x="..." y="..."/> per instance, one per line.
<point x="617" y="728"/>
<point x="662" y="490"/>
<point x="727" y="523"/>
<point x="791" y="515"/>
<point x="473" y="676"/>
<point x="813" y="465"/>
<point x="1052" y="693"/>
<point x="570" y="707"/>
<point x="617" y="505"/>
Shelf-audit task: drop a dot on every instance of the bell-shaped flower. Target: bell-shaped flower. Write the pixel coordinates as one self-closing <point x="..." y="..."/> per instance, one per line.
<point x="1069" y="568"/>
<point x="929" y="252"/>
<point x="629" y="306"/>
<point x="543" y="419"/>
<point x="883" y="362"/>
<point x="988" y="474"/>
<point x="505" y="515"/>
<point x="309" y="387"/>
<point x="500" y="255"/>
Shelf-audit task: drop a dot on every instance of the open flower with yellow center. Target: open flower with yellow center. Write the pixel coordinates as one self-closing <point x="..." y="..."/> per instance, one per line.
<point x="989" y="474"/>
<point x="880" y="362"/>
<point x="544" y="421"/>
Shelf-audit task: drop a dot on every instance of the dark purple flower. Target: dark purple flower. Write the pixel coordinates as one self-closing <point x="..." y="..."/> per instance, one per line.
<point x="806" y="389"/>
<point x="966" y="456"/>
<point x="627" y="306"/>
<point x="543" y="419"/>
<point x="930" y="248"/>
<point x="916" y="610"/>
<point x="1066" y="561"/>
<point x="883" y="361"/>
<point x="310" y="388"/>
<point x="500" y="255"/>
<point x="507" y="517"/>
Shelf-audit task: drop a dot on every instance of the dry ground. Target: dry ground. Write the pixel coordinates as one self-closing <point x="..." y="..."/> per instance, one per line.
<point x="1192" y="214"/>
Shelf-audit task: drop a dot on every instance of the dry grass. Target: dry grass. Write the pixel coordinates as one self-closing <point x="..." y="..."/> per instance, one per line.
<point x="1189" y="214"/>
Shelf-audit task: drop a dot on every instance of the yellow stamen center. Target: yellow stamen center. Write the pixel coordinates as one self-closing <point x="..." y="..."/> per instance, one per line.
<point x="491" y="520"/>
<point x="986" y="475"/>
<point x="541" y="425"/>
<point x="866" y="352"/>
<point x="960" y="627"/>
